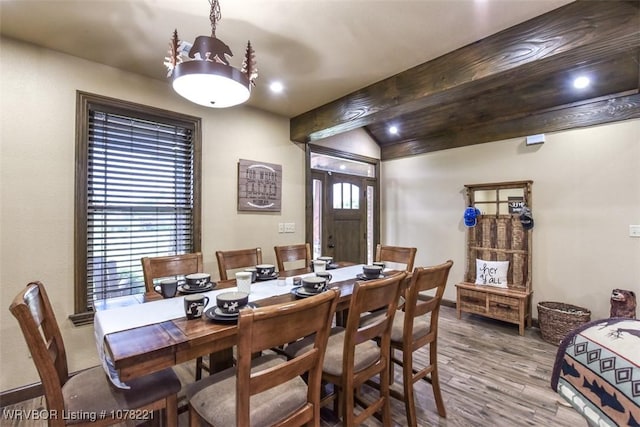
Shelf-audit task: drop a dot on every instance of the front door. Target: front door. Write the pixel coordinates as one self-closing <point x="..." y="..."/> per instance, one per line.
<point x="342" y="208"/>
<point x="346" y="215"/>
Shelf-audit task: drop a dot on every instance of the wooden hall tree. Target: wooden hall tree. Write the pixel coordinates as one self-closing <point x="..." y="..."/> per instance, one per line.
<point x="499" y="236"/>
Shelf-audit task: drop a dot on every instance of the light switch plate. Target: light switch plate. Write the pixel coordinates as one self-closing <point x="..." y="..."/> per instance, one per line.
<point x="634" y="230"/>
<point x="281" y="227"/>
<point x="289" y="227"/>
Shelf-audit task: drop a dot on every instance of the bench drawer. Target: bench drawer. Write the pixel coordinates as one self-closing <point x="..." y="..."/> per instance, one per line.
<point x="472" y="300"/>
<point x="505" y="308"/>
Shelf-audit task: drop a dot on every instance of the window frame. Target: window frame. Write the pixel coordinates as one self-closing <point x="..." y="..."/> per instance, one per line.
<point x="85" y="102"/>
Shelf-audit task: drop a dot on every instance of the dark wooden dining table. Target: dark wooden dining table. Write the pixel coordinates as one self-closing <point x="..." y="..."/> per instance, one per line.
<point x="146" y="349"/>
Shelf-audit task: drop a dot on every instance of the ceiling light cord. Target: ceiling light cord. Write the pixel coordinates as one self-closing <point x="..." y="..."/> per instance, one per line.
<point x="214" y="16"/>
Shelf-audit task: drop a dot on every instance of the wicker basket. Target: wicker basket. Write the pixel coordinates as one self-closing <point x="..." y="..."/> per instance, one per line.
<point x="557" y="319"/>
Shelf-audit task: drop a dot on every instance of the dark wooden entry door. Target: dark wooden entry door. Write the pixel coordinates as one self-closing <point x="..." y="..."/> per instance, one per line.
<point x="345" y="213"/>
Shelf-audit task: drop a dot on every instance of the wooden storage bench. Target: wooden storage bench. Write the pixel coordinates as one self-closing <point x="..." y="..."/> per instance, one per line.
<point x="502" y="304"/>
<point x="498" y="236"/>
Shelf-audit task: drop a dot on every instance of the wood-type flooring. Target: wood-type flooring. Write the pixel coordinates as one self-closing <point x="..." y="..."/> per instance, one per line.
<point x="490" y="377"/>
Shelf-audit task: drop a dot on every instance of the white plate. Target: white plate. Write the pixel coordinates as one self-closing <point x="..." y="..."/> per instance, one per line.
<point x="363" y="277"/>
<point x="299" y="291"/>
<point x="270" y="277"/>
<point x="186" y="289"/>
<point x="219" y="312"/>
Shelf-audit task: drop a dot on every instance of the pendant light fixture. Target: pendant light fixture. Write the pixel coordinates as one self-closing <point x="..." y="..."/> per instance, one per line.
<point x="205" y="76"/>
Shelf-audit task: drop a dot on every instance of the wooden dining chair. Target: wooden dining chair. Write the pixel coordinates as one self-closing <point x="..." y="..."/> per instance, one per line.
<point x="415" y="327"/>
<point x="233" y="260"/>
<point x="293" y="253"/>
<point x="158" y="267"/>
<point x="154" y="268"/>
<point x="269" y="390"/>
<point x="397" y="255"/>
<point x="88" y="392"/>
<point x="353" y="356"/>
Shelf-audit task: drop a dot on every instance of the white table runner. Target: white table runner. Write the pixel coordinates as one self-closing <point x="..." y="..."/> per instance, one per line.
<point x="137" y="315"/>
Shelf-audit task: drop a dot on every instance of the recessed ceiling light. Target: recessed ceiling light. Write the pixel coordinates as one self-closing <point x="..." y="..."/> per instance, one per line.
<point x="393" y="130"/>
<point x="276" y="87"/>
<point x="581" y="82"/>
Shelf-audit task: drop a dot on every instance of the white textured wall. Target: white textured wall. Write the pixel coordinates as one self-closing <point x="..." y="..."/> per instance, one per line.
<point x="586" y="193"/>
<point x="356" y="141"/>
<point x="37" y="107"/>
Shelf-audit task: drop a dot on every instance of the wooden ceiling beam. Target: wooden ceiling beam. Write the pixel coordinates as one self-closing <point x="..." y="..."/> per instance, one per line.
<point x="576" y="115"/>
<point x="619" y="74"/>
<point x="558" y="39"/>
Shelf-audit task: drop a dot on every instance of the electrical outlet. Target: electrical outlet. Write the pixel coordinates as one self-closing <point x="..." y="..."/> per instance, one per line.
<point x="289" y="227"/>
<point x="634" y="230"/>
<point x="281" y="227"/>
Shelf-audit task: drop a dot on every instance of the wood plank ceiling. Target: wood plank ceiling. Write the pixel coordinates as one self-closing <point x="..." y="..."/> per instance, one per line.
<point x="514" y="83"/>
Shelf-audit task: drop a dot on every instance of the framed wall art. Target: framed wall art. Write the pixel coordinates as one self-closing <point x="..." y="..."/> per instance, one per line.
<point x="259" y="186"/>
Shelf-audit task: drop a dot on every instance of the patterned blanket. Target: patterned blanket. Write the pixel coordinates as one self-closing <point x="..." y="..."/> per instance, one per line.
<point x="597" y="370"/>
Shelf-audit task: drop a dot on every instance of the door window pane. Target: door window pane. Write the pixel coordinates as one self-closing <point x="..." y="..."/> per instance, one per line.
<point x="317" y="218"/>
<point x="337" y="196"/>
<point x="355" y="197"/>
<point x="370" y="218"/>
<point x="346" y="196"/>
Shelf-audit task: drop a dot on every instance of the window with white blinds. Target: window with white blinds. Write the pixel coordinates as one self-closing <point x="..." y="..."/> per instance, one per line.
<point x="139" y="199"/>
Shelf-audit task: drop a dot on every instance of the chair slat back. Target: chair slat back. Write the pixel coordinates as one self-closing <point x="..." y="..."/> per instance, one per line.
<point x="396" y="254"/>
<point x="292" y="253"/>
<point x="233" y="260"/>
<point x="169" y="266"/>
<point x="368" y="297"/>
<point x="32" y="309"/>
<point x="264" y="328"/>
<point x="425" y="279"/>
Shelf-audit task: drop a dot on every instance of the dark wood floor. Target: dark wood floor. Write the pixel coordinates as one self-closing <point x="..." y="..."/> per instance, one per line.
<point x="490" y="376"/>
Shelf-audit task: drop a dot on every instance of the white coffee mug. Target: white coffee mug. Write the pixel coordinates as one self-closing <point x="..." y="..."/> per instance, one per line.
<point x="319" y="265"/>
<point x="243" y="281"/>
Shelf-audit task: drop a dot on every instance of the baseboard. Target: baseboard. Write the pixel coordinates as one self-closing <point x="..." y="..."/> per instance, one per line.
<point x="20" y="394"/>
<point x="448" y="303"/>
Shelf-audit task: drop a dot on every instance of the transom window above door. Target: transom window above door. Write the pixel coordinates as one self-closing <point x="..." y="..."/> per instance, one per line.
<point x="346" y="166"/>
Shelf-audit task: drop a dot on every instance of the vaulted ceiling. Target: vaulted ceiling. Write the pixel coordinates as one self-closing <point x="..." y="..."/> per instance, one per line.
<point x="517" y="82"/>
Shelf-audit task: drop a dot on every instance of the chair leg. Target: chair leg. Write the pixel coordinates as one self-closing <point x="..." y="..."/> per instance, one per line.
<point x="391" y="367"/>
<point x="407" y="383"/>
<point x="338" y="403"/>
<point x="334" y="396"/>
<point x="385" y="395"/>
<point x="194" y="419"/>
<point x="348" y="406"/>
<point x="171" y="411"/>
<point x="435" y="381"/>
